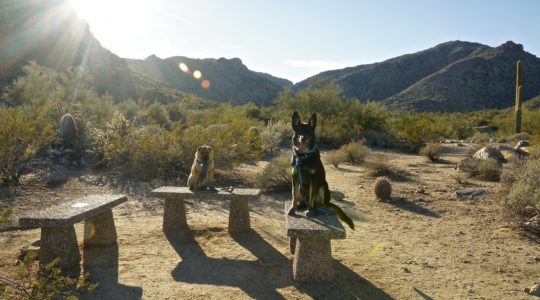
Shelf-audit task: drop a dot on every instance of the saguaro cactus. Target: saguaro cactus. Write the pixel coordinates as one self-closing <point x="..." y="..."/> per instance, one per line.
<point x="518" y="97"/>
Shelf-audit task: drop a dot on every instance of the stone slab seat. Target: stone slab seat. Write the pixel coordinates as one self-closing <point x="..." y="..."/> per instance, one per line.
<point x="309" y="240"/>
<point x="58" y="238"/>
<point x="174" y="216"/>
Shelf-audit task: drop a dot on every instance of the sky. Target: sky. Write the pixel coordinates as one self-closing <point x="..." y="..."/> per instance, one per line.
<point x="297" y="39"/>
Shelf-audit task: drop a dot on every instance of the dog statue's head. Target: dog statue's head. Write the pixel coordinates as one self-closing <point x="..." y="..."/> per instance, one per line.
<point x="304" y="133"/>
<point x="204" y="153"/>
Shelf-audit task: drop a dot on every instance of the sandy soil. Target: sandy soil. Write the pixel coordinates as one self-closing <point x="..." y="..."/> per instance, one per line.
<point x="423" y="244"/>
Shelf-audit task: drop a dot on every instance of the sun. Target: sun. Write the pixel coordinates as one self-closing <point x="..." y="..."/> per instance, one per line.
<point x="115" y="23"/>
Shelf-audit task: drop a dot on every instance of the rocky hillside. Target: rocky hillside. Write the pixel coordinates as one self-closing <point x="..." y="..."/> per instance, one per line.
<point x="454" y="76"/>
<point x="50" y="33"/>
<point x="219" y="79"/>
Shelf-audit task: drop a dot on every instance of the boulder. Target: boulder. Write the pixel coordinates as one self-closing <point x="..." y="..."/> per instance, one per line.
<point x="489" y="152"/>
<point x="471" y="194"/>
<point x="535" y="290"/>
<point x="522" y="143"/>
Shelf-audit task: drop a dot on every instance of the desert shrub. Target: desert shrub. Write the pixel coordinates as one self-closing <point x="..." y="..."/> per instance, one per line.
<point x="275" y="133"/>
<point x="520" y="186"/>
<point x="481" y="137"/>
<point x="416" y="129"/>
<point x="23" y="132"/>
<point x="5" y="213"/>
<point x="432" y="151"/>
<point x="156" y="114"/>
<point x="519" y="137"/>
<point x="354" y="152"/>
<point x="336" y="157"/>
<point x="43" y="282"/>
<point x="275" y="175"/>
<point x="380" y="167"/>
<point x="487" y="169"/>
<point x="150" y="152"/>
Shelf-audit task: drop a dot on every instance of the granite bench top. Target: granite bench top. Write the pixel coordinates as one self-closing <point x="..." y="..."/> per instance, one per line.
<point x="71" y="212"/>
<point x="320" y="226"/>
<point x="173" y="192"/>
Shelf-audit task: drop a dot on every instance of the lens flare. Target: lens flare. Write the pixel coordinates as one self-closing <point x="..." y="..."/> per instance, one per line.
<point x="183" y="67"/>
<point x="205" y="84"/>
<point x="197" y="74"/>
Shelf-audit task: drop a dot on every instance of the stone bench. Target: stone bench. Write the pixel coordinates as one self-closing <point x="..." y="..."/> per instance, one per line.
<point x="58" y="238"/>
<point x="309" y="240"/>
<point x="174" y="216"/>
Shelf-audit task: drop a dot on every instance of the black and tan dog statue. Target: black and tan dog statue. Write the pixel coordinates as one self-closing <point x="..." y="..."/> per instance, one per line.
<point x="202" y="169"/>
<point x="309" y="187"/>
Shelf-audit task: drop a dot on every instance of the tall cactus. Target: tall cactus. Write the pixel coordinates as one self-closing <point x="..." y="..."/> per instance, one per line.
<point x="518" y="97"/>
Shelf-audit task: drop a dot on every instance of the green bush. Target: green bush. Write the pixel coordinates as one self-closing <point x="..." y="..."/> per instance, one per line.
<point x="336" y="157"/>
<point x="275" y="175"/>
<point x="275" y="133"/>
<point x="354" y="153"/>
<point x="416" y="129"/>
<point x="520" y="185"/>
<point x="44" y="282"/>
<point x="432" y="151"/>
<point x="23" y="132"/>
<point x="379" y="166"/>
<point x="487" y="169"/>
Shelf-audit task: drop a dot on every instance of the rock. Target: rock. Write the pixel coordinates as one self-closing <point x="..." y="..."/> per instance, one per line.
<point x="486" y="129"/>
<point x="535" y="290"/>
<point x="522" y="143"/>
<point x="57" y="176"/>
<point x="471" y="194"/>
<point x="489" y="152"/>
<point x="337" y="195"/>
<point x="533" y="224"/>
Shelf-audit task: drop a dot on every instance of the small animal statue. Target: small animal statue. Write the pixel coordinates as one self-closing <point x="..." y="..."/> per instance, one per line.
<point x="202" y="169"/>
<point x="68" y="131"/>
<point x="309" y="187"/>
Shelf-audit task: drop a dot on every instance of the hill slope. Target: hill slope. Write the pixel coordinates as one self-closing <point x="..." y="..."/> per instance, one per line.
<point x="50" y="33"/>
<point x="228" y="79"/>
<point x="454" y="76"/>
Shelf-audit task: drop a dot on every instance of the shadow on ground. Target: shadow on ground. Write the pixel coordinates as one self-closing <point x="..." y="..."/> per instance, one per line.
<point x="412" y="207"/>
<point x="261" y="278"/>
<point x="102" y="264"/>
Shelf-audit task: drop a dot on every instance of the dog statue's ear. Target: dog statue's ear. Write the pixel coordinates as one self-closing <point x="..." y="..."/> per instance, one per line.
<point x="313" y="120"/>
<point x="200" y="148"/>
<point x="295" y="119"/>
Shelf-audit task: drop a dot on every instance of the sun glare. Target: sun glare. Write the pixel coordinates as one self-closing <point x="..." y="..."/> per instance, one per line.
<point x="116" y="23"/>
<point x="197" y="74"/>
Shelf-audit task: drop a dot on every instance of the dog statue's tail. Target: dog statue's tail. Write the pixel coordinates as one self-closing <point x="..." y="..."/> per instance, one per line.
<point x="341" y="215"/>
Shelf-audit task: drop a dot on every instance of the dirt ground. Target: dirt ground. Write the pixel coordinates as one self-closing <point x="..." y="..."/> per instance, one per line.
<point x="423" y="244"/>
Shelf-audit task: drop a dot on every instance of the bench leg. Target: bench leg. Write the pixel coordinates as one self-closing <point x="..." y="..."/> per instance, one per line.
<point x="292" y="244"/>
<point x="239" y="216"/>
<point x="100" y="230"/>
<point x="313" y="260"/>
<point x="60" y="242"/>
<point x="174" y="216"/>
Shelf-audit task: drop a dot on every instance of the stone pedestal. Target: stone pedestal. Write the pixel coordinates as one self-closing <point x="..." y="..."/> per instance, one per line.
<point x="239" y="215"/>
<point x="174" y="216"/>
<point x="313" y="260"/>
<point x="99" y="230"/>
<point x="60" y="242"/>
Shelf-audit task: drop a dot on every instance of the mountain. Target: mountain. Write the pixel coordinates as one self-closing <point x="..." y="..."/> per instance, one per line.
<point x="453" y="76"/>
<point x="220" y="79"/>
<point x="50" y="33"/>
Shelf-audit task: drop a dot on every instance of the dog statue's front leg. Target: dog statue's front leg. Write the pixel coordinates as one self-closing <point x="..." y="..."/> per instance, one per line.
<point x="295" y="196"/>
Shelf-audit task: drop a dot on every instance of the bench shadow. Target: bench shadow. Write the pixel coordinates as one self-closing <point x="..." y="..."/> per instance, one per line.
<point x="260" y="278"/>
<point x="412" y="207"/>
<point x="422" y="294"/>
<point x="102" y="265"/>
<point x="347" y="285"/>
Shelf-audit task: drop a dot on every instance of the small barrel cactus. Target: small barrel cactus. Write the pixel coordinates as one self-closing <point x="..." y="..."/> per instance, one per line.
<point x="382" y="188"/>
